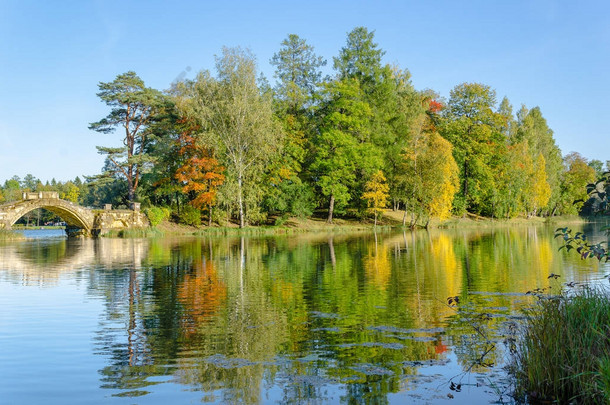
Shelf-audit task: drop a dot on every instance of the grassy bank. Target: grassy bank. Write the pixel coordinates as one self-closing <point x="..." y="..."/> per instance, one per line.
<point x="293" y="226"/>
<point x="563" y="355"/>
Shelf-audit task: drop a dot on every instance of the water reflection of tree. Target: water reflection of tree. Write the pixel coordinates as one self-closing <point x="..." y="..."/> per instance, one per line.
<point x="236" y="316"/>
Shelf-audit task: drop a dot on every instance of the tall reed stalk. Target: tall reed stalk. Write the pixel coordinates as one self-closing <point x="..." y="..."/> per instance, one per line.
<point x="564" y="352"/>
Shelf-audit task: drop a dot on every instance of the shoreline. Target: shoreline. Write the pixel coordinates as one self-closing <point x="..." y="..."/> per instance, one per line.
<point x="297" y="226"/>
<point x="292" y="226"/>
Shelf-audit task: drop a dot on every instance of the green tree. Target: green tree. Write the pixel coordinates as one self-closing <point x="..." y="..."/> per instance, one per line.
<point x="508" y="124"/>
<point x="533" y="128"/>
<point x="297" y="69"/>
<point x="598" y="166"/>
<point x="471" y="125"/>
<point x="360" y="58"/>
<point x="239" y="120"/>
<point x="398" y="112"/>
<point x="576" y="176"/>
<point x="133" y="109"/>
<point x="29" y="183"/>
<point x="296" y="95"/>
<point x="12" y="189"/>
<point x="343" y="148"/>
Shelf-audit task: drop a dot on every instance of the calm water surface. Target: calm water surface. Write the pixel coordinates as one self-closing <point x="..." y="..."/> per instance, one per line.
<point x="313" y="318"/>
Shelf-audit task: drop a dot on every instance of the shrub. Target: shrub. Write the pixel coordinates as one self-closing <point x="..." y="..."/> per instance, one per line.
<point x="157" y="214"/>
<point x="291" y="197"/>
<point x="190" y="215"/>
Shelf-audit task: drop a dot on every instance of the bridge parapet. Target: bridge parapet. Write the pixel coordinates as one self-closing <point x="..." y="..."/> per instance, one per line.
<point x="39" y="195"/>
<point x="108" y="220"/>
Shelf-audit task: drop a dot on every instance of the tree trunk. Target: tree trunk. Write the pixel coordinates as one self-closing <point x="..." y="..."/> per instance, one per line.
<point x="131" y="193"/>
<point x="375" y="218"/>
<point x="209" y="214"/>
<point x="240" y="202"/>
<point x="331" y="207"/>
<point x="414" y="220"/>
<point x="404" y="218"/>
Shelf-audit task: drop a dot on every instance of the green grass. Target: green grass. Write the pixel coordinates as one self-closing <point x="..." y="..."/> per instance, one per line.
<point x="564" y="353"/>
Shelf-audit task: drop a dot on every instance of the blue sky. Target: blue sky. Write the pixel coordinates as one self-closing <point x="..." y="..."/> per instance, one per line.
<point x="552" y="54"/>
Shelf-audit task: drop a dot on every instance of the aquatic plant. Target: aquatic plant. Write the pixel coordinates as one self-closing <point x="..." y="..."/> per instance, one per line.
<point x="563" y="354"/>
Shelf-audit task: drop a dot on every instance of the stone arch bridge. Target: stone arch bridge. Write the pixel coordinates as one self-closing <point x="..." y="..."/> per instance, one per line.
<point x="80" y="221"/>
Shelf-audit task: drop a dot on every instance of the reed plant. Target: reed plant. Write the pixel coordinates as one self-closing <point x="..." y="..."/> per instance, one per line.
<point x="563" y="355"/>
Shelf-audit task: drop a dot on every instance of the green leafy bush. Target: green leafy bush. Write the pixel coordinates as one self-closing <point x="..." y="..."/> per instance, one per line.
<point x="157" y="214"/>
<point x="190" y="215"/>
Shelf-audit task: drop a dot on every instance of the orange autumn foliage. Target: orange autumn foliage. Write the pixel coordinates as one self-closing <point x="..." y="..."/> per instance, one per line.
<point x="201" y="173"/>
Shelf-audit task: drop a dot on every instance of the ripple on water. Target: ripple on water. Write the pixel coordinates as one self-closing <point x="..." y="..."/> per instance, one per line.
<point x="222" y="361"/>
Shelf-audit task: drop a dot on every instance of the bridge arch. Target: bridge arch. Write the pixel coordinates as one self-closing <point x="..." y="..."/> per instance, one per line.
<point x="80" y="221"/>
<point x="71" y="216"/>
<point x="74" y="215"/>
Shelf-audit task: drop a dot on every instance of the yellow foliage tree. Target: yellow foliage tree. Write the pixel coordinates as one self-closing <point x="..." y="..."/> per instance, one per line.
<point x="72" y="192"/>
<point x="376" y="193"/>
<point x="441" y="180"/>
<point x="541" y="190"/>
<point x="431" y="177"/>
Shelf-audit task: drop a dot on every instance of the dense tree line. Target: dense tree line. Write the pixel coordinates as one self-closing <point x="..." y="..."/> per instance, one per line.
<point x="226" y="146"/>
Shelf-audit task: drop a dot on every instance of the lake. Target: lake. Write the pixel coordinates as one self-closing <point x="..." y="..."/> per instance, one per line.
<point x="386" y="317"/>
